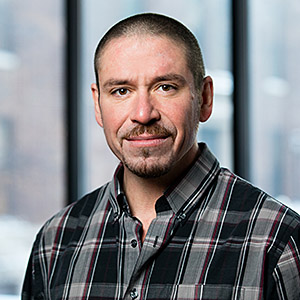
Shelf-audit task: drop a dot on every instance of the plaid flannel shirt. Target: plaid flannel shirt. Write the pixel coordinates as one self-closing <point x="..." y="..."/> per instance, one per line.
<point x="215" y="237"/>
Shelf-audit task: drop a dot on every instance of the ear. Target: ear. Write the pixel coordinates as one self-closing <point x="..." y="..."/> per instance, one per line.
<point x="206" y="104"/>
<point x="95" y="93"/>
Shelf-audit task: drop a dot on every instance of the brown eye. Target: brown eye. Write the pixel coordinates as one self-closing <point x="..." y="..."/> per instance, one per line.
<point x="121" y="92"/>
<point x="166" y="87"/>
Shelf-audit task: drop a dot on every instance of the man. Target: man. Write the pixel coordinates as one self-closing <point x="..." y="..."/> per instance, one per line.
<point x="171" y="224"/>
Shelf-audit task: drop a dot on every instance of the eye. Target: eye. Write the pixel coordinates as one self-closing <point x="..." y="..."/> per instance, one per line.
<point x="167" y="87"/>
<point x="120" y="92"/>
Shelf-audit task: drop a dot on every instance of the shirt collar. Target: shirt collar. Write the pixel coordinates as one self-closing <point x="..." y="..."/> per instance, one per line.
<point x="188" y="190"/>
<point x="183" y="194"/>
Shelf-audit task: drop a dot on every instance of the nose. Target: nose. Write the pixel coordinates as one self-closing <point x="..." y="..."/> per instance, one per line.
<point x="144" y="110"/>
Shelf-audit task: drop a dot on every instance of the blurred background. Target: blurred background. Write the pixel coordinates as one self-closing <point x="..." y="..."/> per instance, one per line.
<point x="51" y="149"/>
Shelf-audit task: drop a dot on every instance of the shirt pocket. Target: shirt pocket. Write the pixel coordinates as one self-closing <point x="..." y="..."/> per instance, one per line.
<point x="211" y="291"/>
<point x="251" y="293"/>
<point x="203" y="292"/>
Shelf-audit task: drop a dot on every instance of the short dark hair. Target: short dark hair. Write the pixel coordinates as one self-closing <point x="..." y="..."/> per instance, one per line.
<point x="159" y="25"/>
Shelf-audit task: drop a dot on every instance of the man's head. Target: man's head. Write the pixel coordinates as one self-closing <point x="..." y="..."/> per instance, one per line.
<point x="148" y="99"/>
<point x="157" y="25"/>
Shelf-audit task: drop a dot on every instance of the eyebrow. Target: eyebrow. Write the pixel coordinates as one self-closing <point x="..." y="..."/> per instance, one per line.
<point x="114" y="82"/>
<point x="167" y="77"/>
<point x="170" y="77"/>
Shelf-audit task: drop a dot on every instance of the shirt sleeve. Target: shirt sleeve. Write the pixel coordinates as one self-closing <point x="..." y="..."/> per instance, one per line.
<point x="33" y="287"/>
<point x="287" y="272"/>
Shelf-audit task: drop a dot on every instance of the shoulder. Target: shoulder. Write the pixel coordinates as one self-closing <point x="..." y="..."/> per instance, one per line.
<point x="59" y="236"/>
<point x="72" y="217"/>
<point x="264" y="215"/>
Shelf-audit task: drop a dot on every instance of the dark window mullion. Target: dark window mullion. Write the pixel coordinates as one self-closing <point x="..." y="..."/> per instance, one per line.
<point x="73" y="147"/>
<point x="240" y="69"/>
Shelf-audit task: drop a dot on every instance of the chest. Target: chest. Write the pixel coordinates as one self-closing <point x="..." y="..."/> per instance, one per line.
<point x="178" y="260"/>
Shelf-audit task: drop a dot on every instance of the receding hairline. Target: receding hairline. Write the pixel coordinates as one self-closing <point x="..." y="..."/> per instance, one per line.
<point x="139" y="34"/>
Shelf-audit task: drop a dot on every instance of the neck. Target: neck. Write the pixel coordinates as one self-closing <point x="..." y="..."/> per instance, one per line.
<point x="142" y="193"/>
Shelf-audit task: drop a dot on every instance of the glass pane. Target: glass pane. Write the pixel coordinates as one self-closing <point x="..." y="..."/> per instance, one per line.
<point x="275" y="92"/>
<point x="31" y="129"/>
<point x="99" y="16"/>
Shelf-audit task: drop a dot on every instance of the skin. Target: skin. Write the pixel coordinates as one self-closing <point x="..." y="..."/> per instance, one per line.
<point x="149" y="109"/>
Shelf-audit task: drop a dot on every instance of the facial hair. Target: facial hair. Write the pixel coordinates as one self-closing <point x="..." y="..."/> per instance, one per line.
<point x="145" y="165"/>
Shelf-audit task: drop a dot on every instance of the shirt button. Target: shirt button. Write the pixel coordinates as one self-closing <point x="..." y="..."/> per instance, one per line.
<point x="133" y="294"/>
<point x="133" y="243"/>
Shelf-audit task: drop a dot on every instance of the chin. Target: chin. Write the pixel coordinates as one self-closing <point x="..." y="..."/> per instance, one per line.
<point x="145" y="169"/>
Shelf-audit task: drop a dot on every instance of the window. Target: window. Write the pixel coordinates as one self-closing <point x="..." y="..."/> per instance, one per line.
<point x="275" y="92"/>
<point x="33" y="111"/>
<point x="31" y="129"/>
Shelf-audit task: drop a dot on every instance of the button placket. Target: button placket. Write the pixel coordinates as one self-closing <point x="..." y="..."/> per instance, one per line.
<point x="130" y="250"/>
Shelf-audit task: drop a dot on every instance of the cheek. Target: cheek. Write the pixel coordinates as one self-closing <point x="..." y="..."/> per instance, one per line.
<point x="186" y="117"/>
<point x="115" y="123"/>
<point x="111" y="117"/>
<point x="110" y="123"/>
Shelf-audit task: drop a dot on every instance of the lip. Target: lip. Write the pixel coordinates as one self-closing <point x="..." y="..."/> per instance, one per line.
<point x="146" y="140"/>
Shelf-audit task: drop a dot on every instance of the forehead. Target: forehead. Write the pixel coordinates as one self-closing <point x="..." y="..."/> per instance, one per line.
<point x="141" y="46"/>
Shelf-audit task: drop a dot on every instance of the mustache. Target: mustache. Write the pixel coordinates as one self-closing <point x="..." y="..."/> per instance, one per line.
<point x="154" y="129"/>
